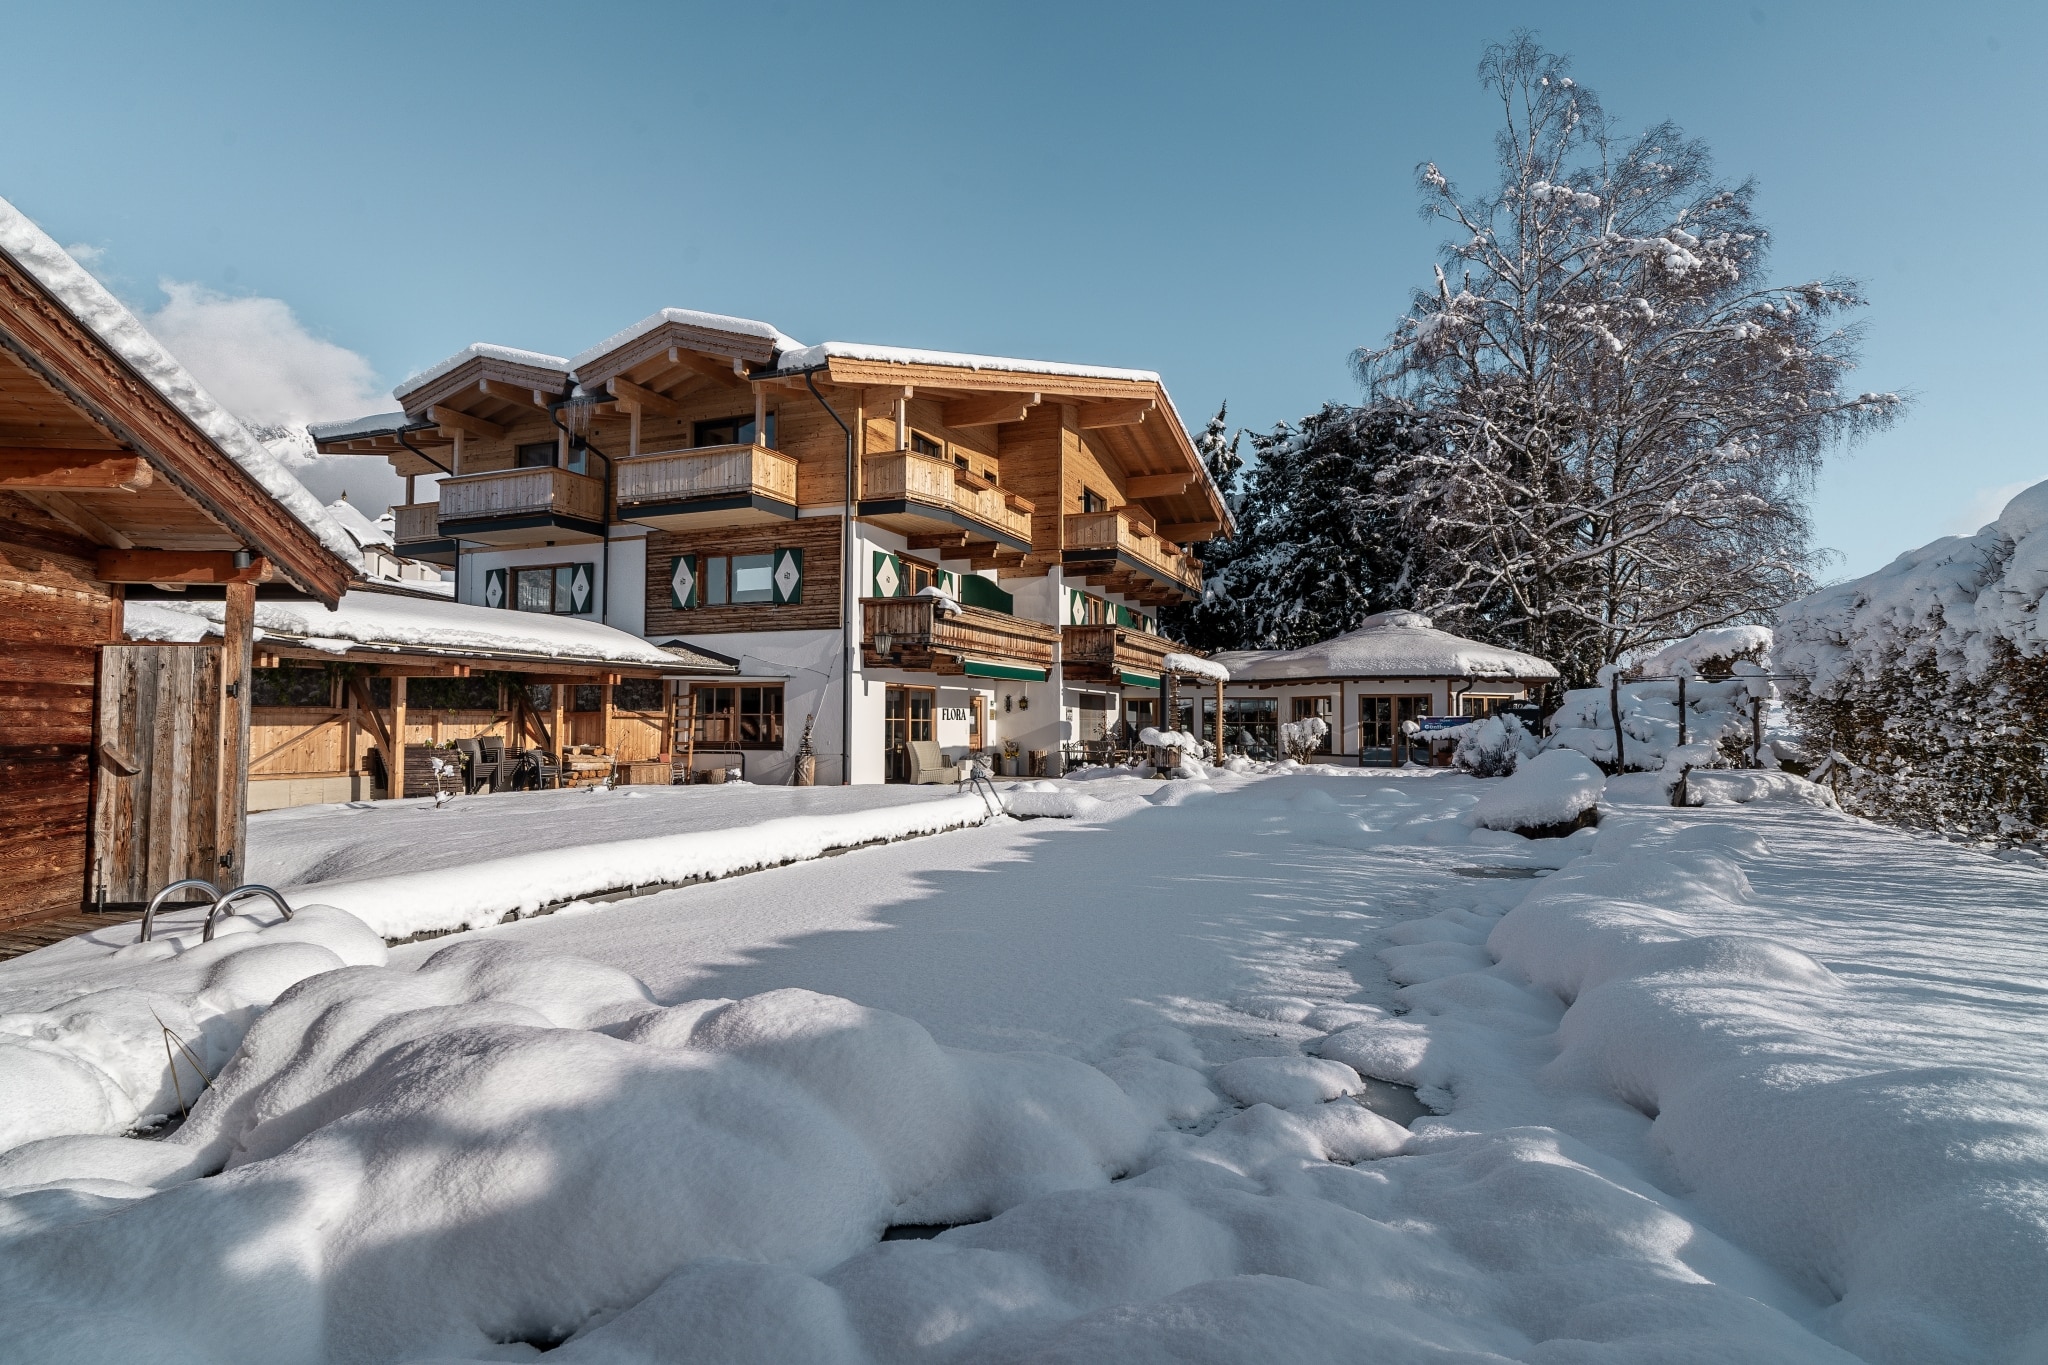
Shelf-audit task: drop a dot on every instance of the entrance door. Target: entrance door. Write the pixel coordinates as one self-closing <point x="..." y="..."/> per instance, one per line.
<point x="156" y="802"/>
<point x="1380" y="739"/>
<point x="907" y="714"/>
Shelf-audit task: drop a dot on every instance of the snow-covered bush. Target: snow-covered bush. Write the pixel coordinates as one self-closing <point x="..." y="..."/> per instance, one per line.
<point x="1929" y="678"/>
<point x="1494" y="747"/>
<point x="1720" y="725"/>
<point x="1709" y="653"/>
<point x="1303" y="739"/>
<point x="1192" y="750"/>
<point x="1551" y="795"/>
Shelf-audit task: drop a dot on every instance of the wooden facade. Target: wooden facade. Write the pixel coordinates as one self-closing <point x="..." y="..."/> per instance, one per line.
<point x="105" y="481"/>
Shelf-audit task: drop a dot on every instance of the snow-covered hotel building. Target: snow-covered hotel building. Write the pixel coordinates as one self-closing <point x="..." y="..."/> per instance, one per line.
<point x="891" y="544"/>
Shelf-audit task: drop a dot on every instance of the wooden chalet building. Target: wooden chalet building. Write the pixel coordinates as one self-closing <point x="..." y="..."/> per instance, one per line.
<point x="124" y="763"/>
<point x="894" y="545"/>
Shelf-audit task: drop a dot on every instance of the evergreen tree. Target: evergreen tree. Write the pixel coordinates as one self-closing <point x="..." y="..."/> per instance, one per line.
<point x="1316" y="551"/>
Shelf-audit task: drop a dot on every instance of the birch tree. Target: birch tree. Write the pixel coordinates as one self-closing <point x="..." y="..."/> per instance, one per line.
<point x="1627" y="415"/>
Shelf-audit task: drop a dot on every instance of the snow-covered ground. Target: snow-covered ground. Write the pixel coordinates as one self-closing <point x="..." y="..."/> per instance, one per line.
<point x="1748" y="1082"/>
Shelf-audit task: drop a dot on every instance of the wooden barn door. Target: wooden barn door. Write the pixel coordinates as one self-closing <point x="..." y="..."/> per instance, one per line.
<point x="156" y="799"/>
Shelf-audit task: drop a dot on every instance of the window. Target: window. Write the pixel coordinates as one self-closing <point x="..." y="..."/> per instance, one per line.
<point x="733" y="431"/>
<point x="925" y="445"/>
<point x="1304" y="707"/>
<point x="586" y="697"/>
<point x="540" y="696"/>
<point x="1251" y="725"/>
<point x="290" y="687"/>
<point x="917" y="577"/>
<point x="555" y="589"/>
<point x="639" y="694"/>
<point x="1379" y="728"/>
<point x="534" y="455"/>
<point x="1479" y="708"/>
<point x="753" y="578"/>
<point x="1092" y="501"/>
<point x="738" y="717"/>
<point x="769" y="576"/>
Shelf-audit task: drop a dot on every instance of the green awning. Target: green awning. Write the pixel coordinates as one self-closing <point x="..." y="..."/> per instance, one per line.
<point x="1138" y="680"/>
<point x="974" y="668"/>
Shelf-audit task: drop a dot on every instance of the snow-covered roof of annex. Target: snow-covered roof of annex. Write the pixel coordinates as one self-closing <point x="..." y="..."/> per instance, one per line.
<point x="376" y="424"/>
<point x="1391" y="644"/>
<point x="107" y="318"/>
<point x="387" y="619"/>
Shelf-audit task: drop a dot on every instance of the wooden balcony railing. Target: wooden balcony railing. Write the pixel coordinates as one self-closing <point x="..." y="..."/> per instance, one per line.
<point x="1108" y="653"/>
<point x="1131" y="532"/>
<point x="415" y="522"/>
<point x="919" y="478"/>
<point x="919" y="635"/>
<point x="706" y="472"/>
<point x="522" y="492"/>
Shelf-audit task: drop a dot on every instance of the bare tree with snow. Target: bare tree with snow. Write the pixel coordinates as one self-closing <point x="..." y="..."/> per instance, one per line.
<point x="1628" y="415"/>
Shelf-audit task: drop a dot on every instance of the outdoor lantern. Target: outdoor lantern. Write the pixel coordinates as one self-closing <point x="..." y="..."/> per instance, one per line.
<point x="884" y="642"/>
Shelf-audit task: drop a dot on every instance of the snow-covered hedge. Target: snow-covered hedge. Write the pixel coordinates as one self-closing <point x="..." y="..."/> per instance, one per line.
<point x="1718" y="727"/>
<point x="1930" y="679"/>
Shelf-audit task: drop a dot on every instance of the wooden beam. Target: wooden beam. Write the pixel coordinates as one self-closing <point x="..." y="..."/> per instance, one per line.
<point x="947" y="540"/>
<point x="647" y="400"/>
<point x="720" y="368"/>
<point x="1157" y="485"/>
<point x="991" y="410"/>
<point x="238" y="638"/>
<point x="1182" y="532"/>
<point x="461" y="421"/>
<point x="176" y="566"/>
<point x="69" y="471"/>
<point x="394" y="758"/>
<point x="1127" y="412"/>
<point x="78" y="519"/>
<point x="360" y="690"/>
<point x="513" y="393"/>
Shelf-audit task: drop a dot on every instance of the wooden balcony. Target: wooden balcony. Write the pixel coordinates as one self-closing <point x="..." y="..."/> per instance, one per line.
<point x="679" y="490"/>
<point x="416" y="533"/>
<point x="922" y="637"/>
<point x="1116" y="655"/>
<point x="1123" y="552"/>
<point x="923" y="497"/>
<point x="523" y="507"/>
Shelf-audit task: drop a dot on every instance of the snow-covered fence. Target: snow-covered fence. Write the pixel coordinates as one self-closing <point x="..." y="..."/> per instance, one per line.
<point x="1929" y="678"/>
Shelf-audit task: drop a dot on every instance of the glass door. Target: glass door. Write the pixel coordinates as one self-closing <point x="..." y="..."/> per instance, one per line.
<point x="908" y="714"/>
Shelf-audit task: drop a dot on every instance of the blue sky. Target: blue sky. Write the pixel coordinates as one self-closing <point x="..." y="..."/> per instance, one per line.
<point x="1222" y="193"/>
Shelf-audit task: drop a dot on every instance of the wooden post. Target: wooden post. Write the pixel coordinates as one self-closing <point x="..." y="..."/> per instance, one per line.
<point x="397" y="756"/>
<point x="633" y="430"/>
<point x="238" y="641"/>
<point x="555" y="691"/>
<point x="1614" y="712"/>
<point x="1219" y="722"/>
<point x="409" y="498"/>
<point x="604" y="705"/>
<point x="455" y="461"/>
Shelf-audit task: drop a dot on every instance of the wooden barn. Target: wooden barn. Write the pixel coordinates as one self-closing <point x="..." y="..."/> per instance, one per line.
<point x="124" y="763"/>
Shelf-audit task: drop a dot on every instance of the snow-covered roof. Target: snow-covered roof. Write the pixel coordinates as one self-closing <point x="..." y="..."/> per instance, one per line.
<point x="686" y="317"/>
<point x="365" y="531"/>
<point x="107" y="318"/>
<point x="811" y="357"/>
<point x="385" y="620"/>
<point x="511" y="355"/>
<point x="377" y="424"/>
<point x="1391" y="644"/>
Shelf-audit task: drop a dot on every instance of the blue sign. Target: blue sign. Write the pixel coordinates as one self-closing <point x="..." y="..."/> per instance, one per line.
<point x="1433" y="723"/>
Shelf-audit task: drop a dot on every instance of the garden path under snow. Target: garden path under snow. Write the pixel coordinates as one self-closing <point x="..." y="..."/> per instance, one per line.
<point x="1751" y="1082"/>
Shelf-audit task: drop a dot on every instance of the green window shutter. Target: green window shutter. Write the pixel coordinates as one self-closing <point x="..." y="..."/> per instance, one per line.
<point x="888" y="575"/>
<point x="581" y="599"/>
<point x="976" y="591"/>
<point x="682" y="582"/>
<point x="494" y="588"/>
<point x="789" y="575"/>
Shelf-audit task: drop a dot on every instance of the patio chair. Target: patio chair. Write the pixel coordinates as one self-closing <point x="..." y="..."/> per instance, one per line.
<point x="537" y="770"/>
<point x="489" y="773"/>
<point x="928" y="765"/>
<point x="472" y="764"/>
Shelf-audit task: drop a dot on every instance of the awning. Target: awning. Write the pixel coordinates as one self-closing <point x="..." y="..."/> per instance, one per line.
<point x="974" y="668"/>
<point x="1138" y="680"/>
